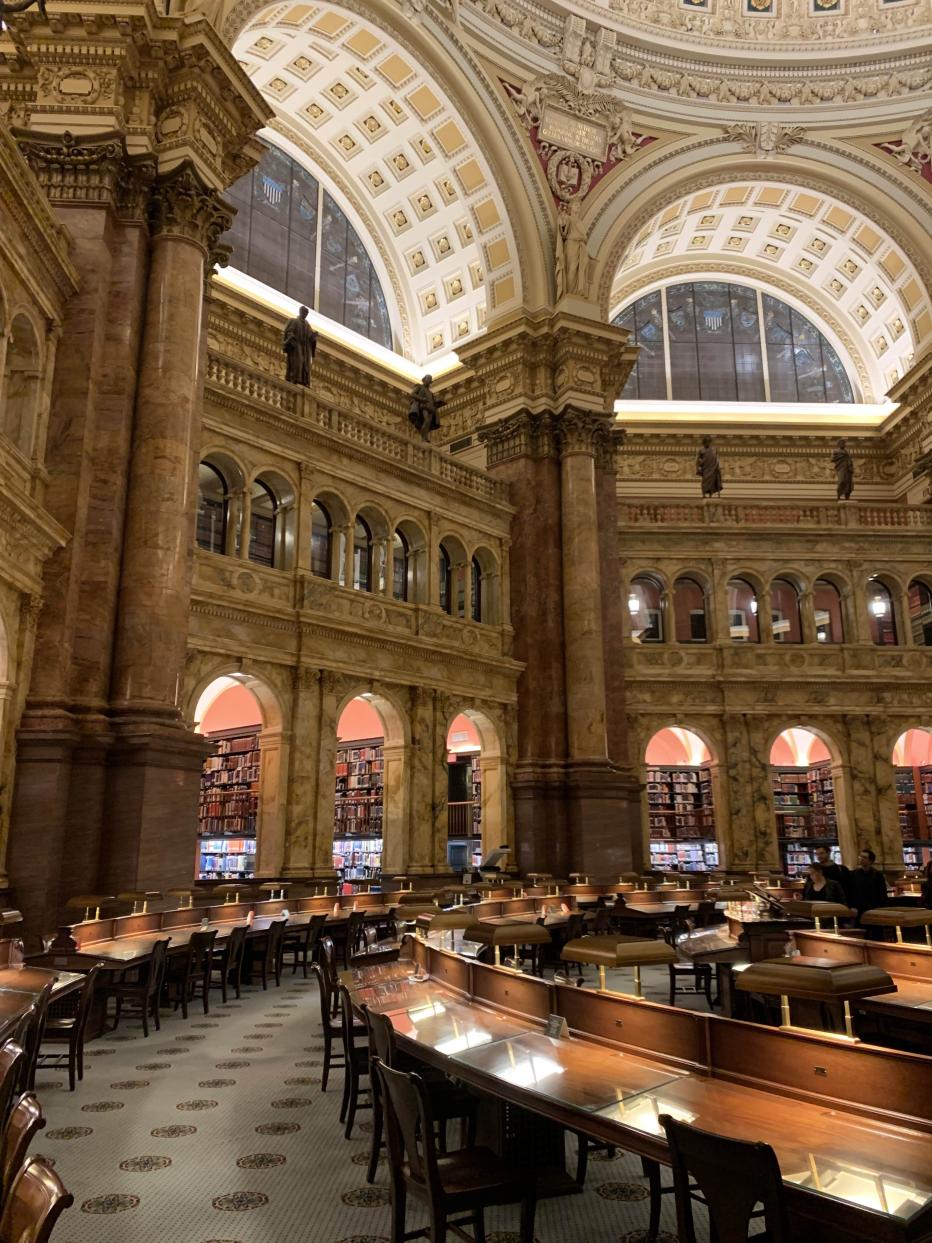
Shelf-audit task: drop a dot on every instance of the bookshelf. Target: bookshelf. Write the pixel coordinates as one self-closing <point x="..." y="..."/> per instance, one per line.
<point x="681" y="819"/>
<point x="804" y="802"/>
<point x="357" y="817"/>
<point x="914" y="806"/>
<point x="464" y="811"/>
<point x="228" y="806"/>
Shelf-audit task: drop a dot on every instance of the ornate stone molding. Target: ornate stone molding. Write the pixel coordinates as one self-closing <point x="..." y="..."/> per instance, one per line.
<point x="524" y="434"/>
<point x="914" y="147"/>
<point x="182" y="206"/>
<point x="583" y="431"/>
<point x="85" y="169"/>
<point x="764" y="139"/>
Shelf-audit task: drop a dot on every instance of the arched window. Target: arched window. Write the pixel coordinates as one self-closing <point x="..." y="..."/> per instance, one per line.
<point x="321" y="540"/>
<point x="362" y="555"/>
<point x="784" y="612"/>
<point x="399" y="566"/>
<point x="445" y="574"/>
<point x="689" y="611"/>
<point x="920" y="613"/>
<point x="714" y="341"/>
<point x="645" y="608"/>
<point x="742" y="612"/>
<point x="290" y="233"/>
<point x="880" y="615"/>
<point x="20" y="387"/>
<point x="826" y="601"/>
<point x="262" y="519"/>
<point x="476" y="584"/>
<point x="212" y="508"/>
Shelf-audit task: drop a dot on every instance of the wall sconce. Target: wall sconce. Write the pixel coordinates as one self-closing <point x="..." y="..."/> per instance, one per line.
<point x="634" y="604"/>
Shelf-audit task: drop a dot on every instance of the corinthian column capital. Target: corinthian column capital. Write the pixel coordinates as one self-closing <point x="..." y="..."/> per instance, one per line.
<point x="181" y="205"/>
<point x="584" y="431"/>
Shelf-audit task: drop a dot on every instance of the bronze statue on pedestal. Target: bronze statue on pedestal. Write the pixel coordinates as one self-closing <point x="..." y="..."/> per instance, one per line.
<point x="299" y="343"/>
<point x="844" y="470"/>
<point x="422" y="410"/>
<point x="708" y="469"/>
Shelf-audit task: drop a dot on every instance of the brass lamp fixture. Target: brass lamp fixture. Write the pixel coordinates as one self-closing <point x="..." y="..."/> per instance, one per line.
<point x="900" y="917"/>
<point x="140" y="899"/>
<point x="276" y="889"/>
<point x="498" y="935"/>
<point x="185" y="897"/>
<point x="815" y="979"/>
<point x="88" y="902"/>
<point x="817" y="911"/>
<point x="447" y="921"/>
<point x="612" y="951"/>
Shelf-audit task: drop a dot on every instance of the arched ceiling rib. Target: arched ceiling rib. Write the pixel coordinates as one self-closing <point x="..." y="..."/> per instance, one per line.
<point x="352" y="93"/>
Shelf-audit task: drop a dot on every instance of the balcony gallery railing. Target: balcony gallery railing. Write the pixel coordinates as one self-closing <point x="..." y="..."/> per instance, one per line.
<point x="852" y="514"/>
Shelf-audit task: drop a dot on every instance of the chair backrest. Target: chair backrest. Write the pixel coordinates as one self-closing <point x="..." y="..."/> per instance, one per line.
<point x="202" y="948"/>
<point x="346" y="1022"/>
<point x="315" y="930"/>
<point x="323" y="989"/>
<point x="620" y="902"/>
<point x="355" y="931"/>
<point x="236" y="944"/>
<point x="33" y="1032"/>
<point x="575" y="927"/>
<point x="603" y="920"/>
<point x="157" y="967"/>
<point x="409" y="1125"/>
<point x="273" y="940"/>
<point x="86" y="1000"/>
<point x="328" y="962"/>
<point x="34" y="1204"/>
<point x="381" y="1036"/>
<point x="12" y="1059"/>
<point x="24" y="1121"/>
<point x="733" y="1177"/>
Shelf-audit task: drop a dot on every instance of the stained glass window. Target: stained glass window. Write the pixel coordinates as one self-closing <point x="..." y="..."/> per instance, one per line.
<point x="291" y="234"/>
<point x="714" y="341"/>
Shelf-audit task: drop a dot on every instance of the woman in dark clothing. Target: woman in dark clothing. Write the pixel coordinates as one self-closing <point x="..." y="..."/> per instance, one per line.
<point x="820" y="889"/>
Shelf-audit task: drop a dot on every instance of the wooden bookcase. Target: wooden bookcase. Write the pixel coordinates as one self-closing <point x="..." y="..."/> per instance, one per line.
<point x="464" y="811"/>
<point x="357" y="819"/>
<point x="681" y="818"/>
<point x="804" y="802"/>
<point x="914" y="800"/>
<point x="229" y="806"/>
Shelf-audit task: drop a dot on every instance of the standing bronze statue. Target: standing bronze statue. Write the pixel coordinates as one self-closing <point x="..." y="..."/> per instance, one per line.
<point x="708" y="468"/>
<point x="423" y="408"/>
<point x="844" y="470"/>
<point x="299" y="343"/>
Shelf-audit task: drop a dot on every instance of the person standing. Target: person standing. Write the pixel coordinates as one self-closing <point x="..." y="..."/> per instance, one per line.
<point x="867" y="888"/>
<point x="925" y="892"/>
<point x="818" y="887"/>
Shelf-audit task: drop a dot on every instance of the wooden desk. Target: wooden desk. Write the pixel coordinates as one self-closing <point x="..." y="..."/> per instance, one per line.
<point x="21" y="986"/>
<point x="849" y="1124"/>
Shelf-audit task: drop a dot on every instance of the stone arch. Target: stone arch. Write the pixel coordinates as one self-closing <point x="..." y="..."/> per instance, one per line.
<point x="274" y="749"/>
<point x="270" y="481"/>
<point x="452" y="575"/>
<point x="496" y="821"/>
<point x="396" y="759"/>
<point x="485" y="586"/>
<point x="839" y="760"/>
<point x="22" y="370"/>
<point x="416" y="554"/>
<point x="699" y="731"/>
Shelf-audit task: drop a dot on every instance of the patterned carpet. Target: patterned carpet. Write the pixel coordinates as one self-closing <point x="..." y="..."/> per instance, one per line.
<point x="215" y="1131"/>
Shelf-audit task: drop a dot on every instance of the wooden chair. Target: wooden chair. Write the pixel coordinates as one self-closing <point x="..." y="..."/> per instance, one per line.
<point x="34" y="1204"/>
<point x="302" y="942"/>
<point x="355" y="935"/>
<point x="698" y="973"/>
<point x="24" y="1121"/>
<point x="574" y="928"/>
<point x="30" y="1034"/>
<point x="227" y="962"/>
<point x="70" y="1030"/>
<point x="271" y="961"/>
<point x="464" y="1182"/>
<point x="189" y="970"/>
<point x="145" y="991"/>
<point x="355" y="1064"/>
<point x="731" y="1177"/>
<point x="331" y="1028"/>
<point x="12" y="1059"/>
<point x="447" y="1100"/>
<point x="328" y="962"/>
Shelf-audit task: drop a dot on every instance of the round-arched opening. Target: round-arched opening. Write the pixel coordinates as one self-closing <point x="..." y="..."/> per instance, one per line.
<point x="476" y="817"/>
<point x="451" y="575"/>
<point x="920" y="612"/>
<point x="804" y="796"/>
<point x="362" y="555"/>
<point x="20" y="386"/>
<point x="230" y="715"/>
<point x="881" y="614"/>
<point x="689" y="615"/>
<point x="680" y="802"/>
<point x="829" y="619"/>
<point x="743" y="625"/>
<point x="784" y="610"/>
<point x="912" y="764"/>
<point x="409" y="563"/>
<point x="321" y="540"/>
<point x="645" y="609"/>
<point x="359" y="808"/>
<point x="213" y="500"/>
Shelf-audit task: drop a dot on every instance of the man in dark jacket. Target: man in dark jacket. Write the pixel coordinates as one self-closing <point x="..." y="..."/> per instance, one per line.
<point x="867" y="888"/>
<point x="830" y="870"/>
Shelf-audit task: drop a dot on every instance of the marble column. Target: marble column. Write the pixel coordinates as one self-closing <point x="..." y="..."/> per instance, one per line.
<point x="322" y="833"/>
<point x="396" y="808"/>
<point x="153" y="750"/>
<point x="303" y="772"/>
<point x="807" y="617"/>
<point x="274" y="748"/>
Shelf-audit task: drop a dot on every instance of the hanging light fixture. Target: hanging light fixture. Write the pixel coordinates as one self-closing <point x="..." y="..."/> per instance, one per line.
<point x="879" y="606"/>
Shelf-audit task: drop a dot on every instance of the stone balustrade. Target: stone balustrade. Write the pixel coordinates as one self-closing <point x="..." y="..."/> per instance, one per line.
<point x="850" y="514"/>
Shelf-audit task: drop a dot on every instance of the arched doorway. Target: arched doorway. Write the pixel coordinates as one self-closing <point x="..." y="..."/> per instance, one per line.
<point x="804" y="780"/>
<point x="358" y="808"/>
<point x="240" y="812"/>
<point x="912" y="762"/>
<point x="476" y="789"/>
<point x="680" y="802"/>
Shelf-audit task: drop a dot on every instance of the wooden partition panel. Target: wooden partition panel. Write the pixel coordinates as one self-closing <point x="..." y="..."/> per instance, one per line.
<point x="912" y="961"/>
<point x="185" y="918"/>
<point x="450" y="969"/>
<point x="877" y="1080"/>
<point x="485" y="910"/>
<point x="827" y="945"/>
<point x="661" y="1031"/>
<point x="525" y="995"/>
